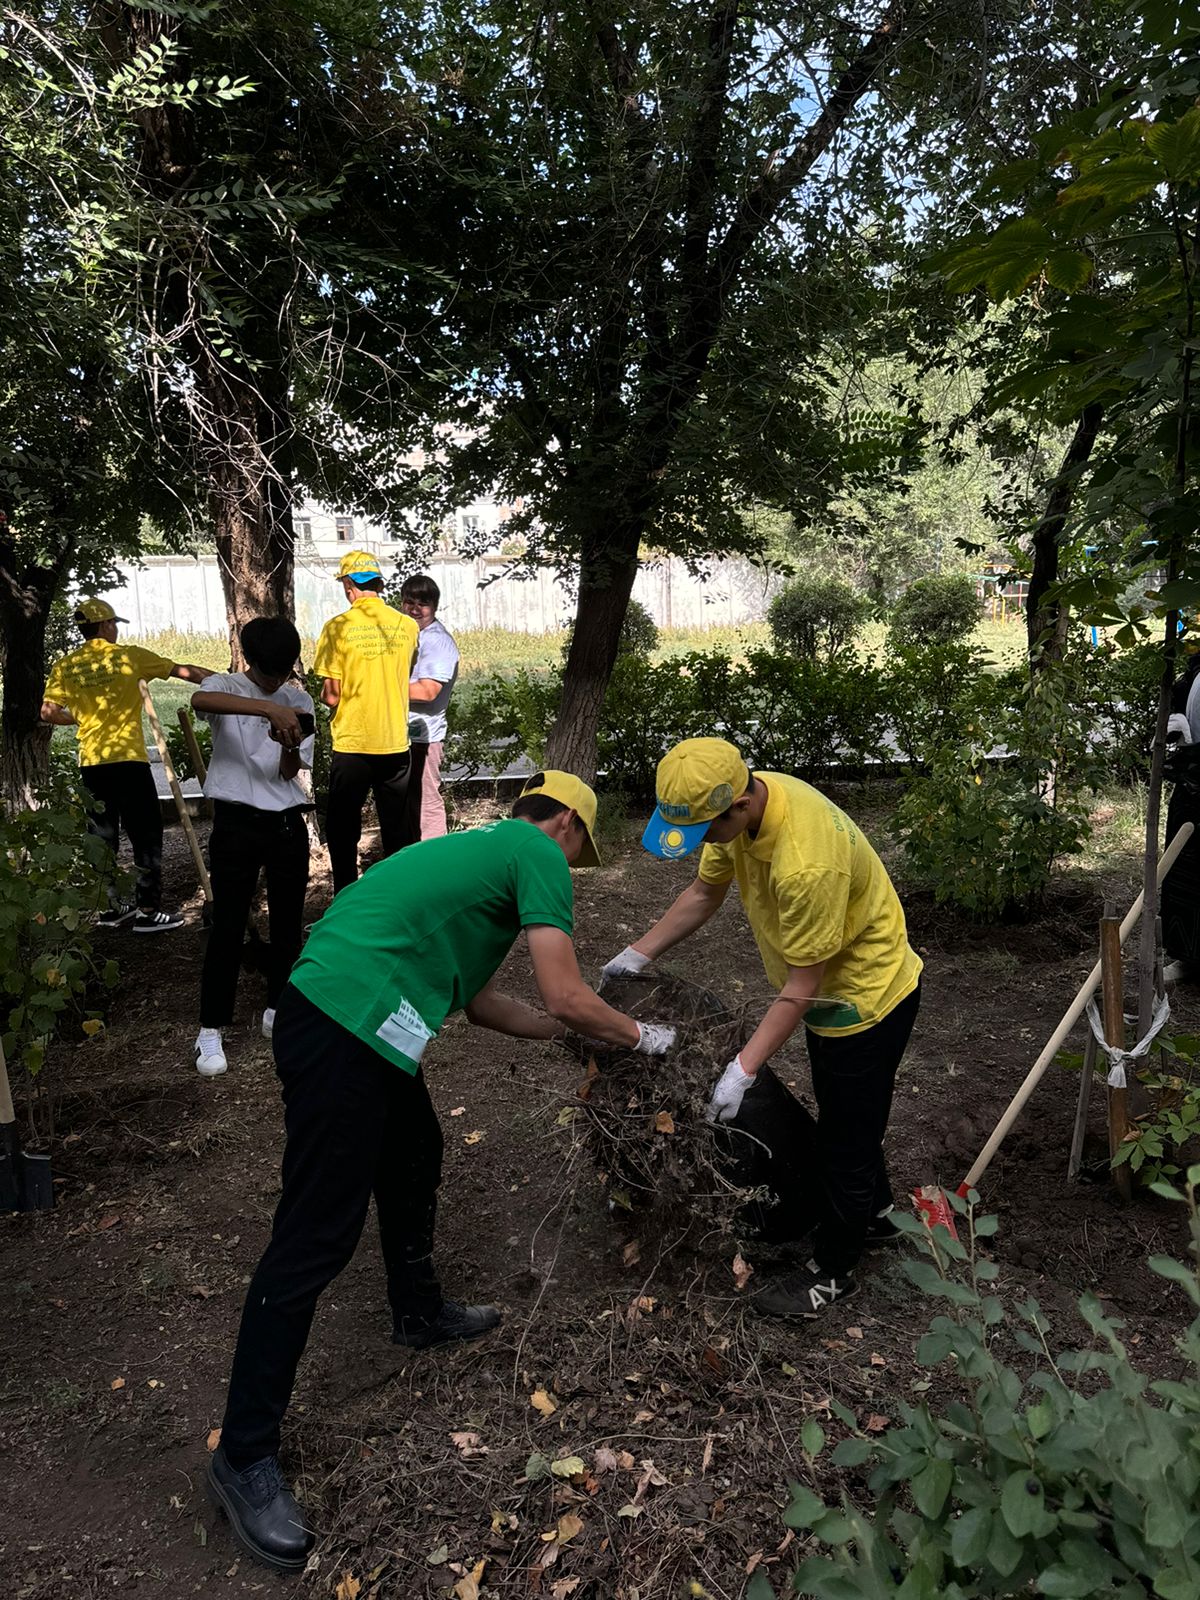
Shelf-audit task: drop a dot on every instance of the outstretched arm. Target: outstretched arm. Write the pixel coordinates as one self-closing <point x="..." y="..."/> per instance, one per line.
<point x="58" y="715"/>
<point x="190" y="673"/>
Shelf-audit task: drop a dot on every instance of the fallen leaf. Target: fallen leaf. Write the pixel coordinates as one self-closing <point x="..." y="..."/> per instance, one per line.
<point x="153" y="1383"/>
<point x="117" y="1383"/>
<point x="631" y="1254"/>
<point x="562" y="1587"/>
<point x="664" y="1122"/>
<point x="605" y="1460"/>
<point x="788" y="1370"/>
<point x="742" y="1272"/>
<point x="503" y="1521"/>
<point x="457" y="1111"/>
<point x="199" y="1292"/>
<point x="469" y="1445"/>
<point x="214" y="1439"/>
<point x="348" y="1588"/>
<point x="876" y="1424"/>
<point x="626" y="1460"/>
<point x="753" y="1562"/>
<point x="110" y="1221"/>
<point x="650" y="1476"/>
<point x="474" y="1138"/>
<point x="543" y="1402"/>
<point x="854" y="1333"/>
<point x="436" y="1557"/>
<point x="568" y="1467"/>
<point x="706" y="1459"/>
<point x="468" y="1588"/>
<point x="713" y="1361"/>
<point x="92" y="1027"/>
<point x="643" y="1416"/>
<point x="877" y="1360"/>
<point x="835" y="1344"/>
<point x="631" y="1511"/>
<point x="569" y="1527"/>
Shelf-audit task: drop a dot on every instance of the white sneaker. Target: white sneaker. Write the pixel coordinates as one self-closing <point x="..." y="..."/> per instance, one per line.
<point x="210" y="1053"/>
<point x="268" y="1023"/>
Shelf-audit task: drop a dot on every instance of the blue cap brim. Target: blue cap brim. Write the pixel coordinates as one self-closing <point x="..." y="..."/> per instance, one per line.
<point x="670" y="840"/>
<point x="358" y="577"/>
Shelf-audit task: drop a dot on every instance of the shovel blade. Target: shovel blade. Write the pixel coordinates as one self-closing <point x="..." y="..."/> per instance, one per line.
<point x="35" y="1183"/>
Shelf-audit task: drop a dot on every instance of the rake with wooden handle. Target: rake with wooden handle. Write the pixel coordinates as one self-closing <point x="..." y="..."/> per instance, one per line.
<point x="930" y="1200"/>
<point x="177" y="792"/>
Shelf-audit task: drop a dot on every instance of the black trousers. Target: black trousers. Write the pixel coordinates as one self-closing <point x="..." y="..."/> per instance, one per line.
<point x="853" y="1079"/>
<point x="412" y="803"/>
<point x="356" y="1126"/>
<point x="129" y="801"/>
<point x="244" y="842"/>
<point x="351" y="779"/>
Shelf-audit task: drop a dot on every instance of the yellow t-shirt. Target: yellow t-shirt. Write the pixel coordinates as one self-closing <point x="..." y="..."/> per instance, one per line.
<point x="814" y="890"/>
<point x="369" y="650"/>
<point x="98" y="684"/>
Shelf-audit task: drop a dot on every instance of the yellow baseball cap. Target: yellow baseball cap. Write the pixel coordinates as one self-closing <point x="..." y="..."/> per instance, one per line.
<point x="96" y="611"/>
<point x="697" y="780"/>
<point x="573" y="793"/>
<point x="356" y="564"/>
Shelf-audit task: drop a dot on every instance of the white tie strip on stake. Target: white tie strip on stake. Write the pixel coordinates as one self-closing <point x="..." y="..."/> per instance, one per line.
<point x="1118" y="1058"/>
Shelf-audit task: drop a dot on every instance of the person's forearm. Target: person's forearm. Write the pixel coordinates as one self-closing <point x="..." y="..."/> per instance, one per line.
<point x="783" y="1017"/>
<point x="229" y="705"/>
<point x="503" y="1014"/>
<point x="423" y="690"/>
<point x="190" y="672"/>
<point x="692" y="909"/>
<point x="331" y="693"/>
<point x="583" y="1011"/>
<point x="289" y="763"/>
<point x="58" y="716"/>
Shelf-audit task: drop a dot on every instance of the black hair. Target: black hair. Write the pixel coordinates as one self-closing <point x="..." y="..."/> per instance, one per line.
<point x="271" y="644"/>
<point x="421" y="588"/>
<point x="90" y="630"/>
<point x="374" y="585"/>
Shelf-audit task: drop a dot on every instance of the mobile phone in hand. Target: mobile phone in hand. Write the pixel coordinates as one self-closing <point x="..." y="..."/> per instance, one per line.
<point x="308" y="722"/>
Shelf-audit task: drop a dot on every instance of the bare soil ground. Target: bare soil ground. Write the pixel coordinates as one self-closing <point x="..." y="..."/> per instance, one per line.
<point x="119" y="1309"/>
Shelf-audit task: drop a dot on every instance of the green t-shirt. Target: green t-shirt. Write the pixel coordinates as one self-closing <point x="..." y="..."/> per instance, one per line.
<point x="420" y="934"/>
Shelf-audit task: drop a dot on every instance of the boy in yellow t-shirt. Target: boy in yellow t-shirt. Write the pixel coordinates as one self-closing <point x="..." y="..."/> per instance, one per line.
<point x="95" y="688"/>
<point x="365" y="656"/>
<point x="831" y="933"/>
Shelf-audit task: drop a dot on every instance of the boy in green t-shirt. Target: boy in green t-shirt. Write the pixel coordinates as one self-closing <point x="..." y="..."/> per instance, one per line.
<point x="417" y="938"/>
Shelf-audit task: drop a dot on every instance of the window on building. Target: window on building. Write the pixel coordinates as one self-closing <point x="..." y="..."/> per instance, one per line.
<point x="345" y="528"/>
<point x="304" y="530"/>
<point x="471" y="524"/>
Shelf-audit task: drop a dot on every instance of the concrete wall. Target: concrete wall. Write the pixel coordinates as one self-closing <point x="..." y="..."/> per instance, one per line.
<point x="183" y="593"/>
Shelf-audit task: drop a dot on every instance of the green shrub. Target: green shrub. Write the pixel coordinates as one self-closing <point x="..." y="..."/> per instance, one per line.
<point x="1162" y="1137"/>
<point x="939" y="609"/>
<point x="1119" y="690"/>
<point x="816" y="618"/>
<point x="314" y="683"/>
<point x="52" y="886"/>
<point x="1078" y="1481"/>
<point x="806" y="717"/>
<point x="934" y="694"/>
<point x="493" y="722"/>
<point x="988" y="818"/>
<point x="181" y="755"/>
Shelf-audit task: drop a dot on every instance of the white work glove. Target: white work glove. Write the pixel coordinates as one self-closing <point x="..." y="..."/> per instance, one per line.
<point x="727" y="1096"/>
<point x="627" y="965"/>
<point x="1178" y="727"/>
<point x="654" y="1038"/>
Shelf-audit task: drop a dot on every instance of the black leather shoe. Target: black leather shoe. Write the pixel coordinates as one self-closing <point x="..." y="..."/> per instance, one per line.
<point x="452" y="1322"/>
<point x="263" y="1513"/>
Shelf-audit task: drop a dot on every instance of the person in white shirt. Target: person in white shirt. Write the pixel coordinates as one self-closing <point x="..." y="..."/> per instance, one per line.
<point x="262" y="728"/>
<point x="434" y="673"/>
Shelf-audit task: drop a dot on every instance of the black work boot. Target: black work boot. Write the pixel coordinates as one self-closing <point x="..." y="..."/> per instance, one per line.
<point x="882" y="1229"/>
<point x="263" y="1513"/>
<point x="804" y="1294"/>
<point x="452" y="1322"/>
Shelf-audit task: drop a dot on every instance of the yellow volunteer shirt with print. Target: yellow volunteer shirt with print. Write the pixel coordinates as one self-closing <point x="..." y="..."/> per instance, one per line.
<point x="814" y="890"/>
<point x="98" y="684"/>
<point x="369" y="650"/>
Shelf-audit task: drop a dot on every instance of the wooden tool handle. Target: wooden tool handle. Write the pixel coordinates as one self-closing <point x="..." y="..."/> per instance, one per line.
<point x="7" y="1114"/>
<point x="193" y="744"/>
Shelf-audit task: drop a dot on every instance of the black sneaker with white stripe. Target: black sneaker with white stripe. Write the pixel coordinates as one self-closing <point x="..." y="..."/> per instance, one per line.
<point x="804" y="1294"/>
<point x="157" y="921"/>
<point x="882" y="1229"/>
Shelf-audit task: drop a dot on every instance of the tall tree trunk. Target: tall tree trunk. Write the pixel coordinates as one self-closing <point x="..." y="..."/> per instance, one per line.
<point x="25" y="599"/>
<point x="1046" y="620"/>
<point x="607" y="572"/>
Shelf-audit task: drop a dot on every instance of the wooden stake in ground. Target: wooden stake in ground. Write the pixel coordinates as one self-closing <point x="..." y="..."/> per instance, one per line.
<point x="1091" y="1050"/>
<point x="1113" y="989"/>
<point x="177" y="792"/>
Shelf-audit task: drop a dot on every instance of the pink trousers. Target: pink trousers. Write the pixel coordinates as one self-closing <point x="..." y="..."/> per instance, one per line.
<point x="433" y="807"/>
